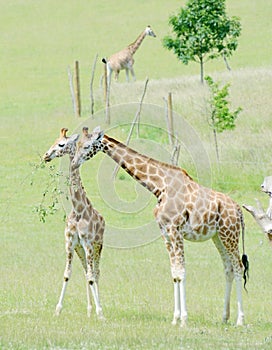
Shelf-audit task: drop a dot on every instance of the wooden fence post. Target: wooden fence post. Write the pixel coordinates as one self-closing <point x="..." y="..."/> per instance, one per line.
<point x="107" y="94"/>
<point x="77" y="90"/>
<point x="105" y="82"/>
<point x="70" y="76"/>
<point x="170" y="118"/>
<point x="91" y="85"/>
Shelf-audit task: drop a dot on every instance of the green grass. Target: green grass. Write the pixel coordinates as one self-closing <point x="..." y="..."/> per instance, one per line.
<point x="38" y="41"/>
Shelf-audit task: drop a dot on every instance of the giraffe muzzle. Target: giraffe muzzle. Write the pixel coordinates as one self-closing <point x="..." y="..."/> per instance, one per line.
<point x="46" y="158"/>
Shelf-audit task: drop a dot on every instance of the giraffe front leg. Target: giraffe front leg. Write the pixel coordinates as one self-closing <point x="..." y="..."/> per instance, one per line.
<point x="179" y="275"/>
<point x="176" y="254"/>
<point x="89" y="301"/>
<point x="60" y="302"/>
<point x="183" y="309"/>
<point x="180" y="310"/>
<point x="177" y="311"/>
<point x="67" y="272"/>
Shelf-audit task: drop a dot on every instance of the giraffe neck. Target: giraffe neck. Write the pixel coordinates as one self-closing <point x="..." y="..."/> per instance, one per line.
<point x="136" y="44"/>
<point x="147" y="171"/>
<point x="78" y="195"/>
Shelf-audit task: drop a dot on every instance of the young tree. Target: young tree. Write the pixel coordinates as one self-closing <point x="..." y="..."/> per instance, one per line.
<point x="221" y="118"/>
<point x="202" y="31"/>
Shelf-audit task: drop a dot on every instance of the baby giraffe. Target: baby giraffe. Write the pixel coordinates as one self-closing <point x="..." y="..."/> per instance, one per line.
<point x="84" y="227"/>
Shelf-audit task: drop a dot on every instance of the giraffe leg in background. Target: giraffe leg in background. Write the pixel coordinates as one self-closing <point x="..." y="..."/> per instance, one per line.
<point x="81" y="254"/>
<point x="132" y="73"/>
<point x="228" y="269"/>
<point x="91" y="278"/>
<point x="238" y="273"/>
<point x="127" y="75"/>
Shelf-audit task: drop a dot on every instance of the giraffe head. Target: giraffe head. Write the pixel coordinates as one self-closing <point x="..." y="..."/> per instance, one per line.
<point x="149" y="31"/>
<point x="88" y="146"/>
<point x="63" y="145"/>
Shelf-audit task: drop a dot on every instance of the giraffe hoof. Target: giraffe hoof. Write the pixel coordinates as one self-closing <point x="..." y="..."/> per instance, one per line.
<point x="101" y="317"/>
<point x="89" y="311"/>
<point x="174" y="322"/>
<point x="240" y="322"/>
<point x="183" y="323"/>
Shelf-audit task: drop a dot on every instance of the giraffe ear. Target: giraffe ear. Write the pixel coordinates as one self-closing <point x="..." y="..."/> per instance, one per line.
<point x="96" y="130"/>
<point x="97" y="133"/>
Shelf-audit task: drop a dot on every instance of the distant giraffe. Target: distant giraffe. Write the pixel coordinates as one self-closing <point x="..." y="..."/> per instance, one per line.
<point x="185" y="210"/>
<point x="84" y="227"/>
<point x="124" y="58"/>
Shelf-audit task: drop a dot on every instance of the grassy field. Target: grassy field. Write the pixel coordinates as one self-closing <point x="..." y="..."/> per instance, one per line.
<point x="38" y="41"/>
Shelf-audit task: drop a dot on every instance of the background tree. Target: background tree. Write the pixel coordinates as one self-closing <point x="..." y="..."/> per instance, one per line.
<point x="202" y="31"/>
<point x="220" y="118"/>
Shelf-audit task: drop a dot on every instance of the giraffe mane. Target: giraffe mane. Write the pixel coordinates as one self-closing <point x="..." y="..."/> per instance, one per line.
<point x="149" y="159"/>
<point x="134" y="42"/>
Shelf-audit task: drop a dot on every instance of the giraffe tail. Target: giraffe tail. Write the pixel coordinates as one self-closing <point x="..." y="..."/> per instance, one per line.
<point x="104" y="60"/>
<point x="245" y="261"/>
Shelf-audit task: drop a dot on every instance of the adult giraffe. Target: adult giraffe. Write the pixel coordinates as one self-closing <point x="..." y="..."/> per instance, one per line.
<point x="84" y="228"/>
<point x="124" y="58"/>
<point x="185" y="210"/>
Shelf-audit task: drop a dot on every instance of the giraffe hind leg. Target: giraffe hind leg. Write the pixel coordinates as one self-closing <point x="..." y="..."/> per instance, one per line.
<point x="97" y="255"/>
<point x="90" y="276"/>
<point x="228" y="269"/>
<point x="81" y="254"/>
<point x="127" y="75"/>
<point x="233" y="269"/>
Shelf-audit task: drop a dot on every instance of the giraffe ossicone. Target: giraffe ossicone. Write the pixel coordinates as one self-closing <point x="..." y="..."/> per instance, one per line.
<point x="124" y="58"/>
<point x="84" y="227"/>
<point x="184" y="210"/>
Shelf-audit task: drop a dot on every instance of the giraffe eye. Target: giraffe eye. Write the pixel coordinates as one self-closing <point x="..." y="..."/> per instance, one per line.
<point x="61" y="145"/>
